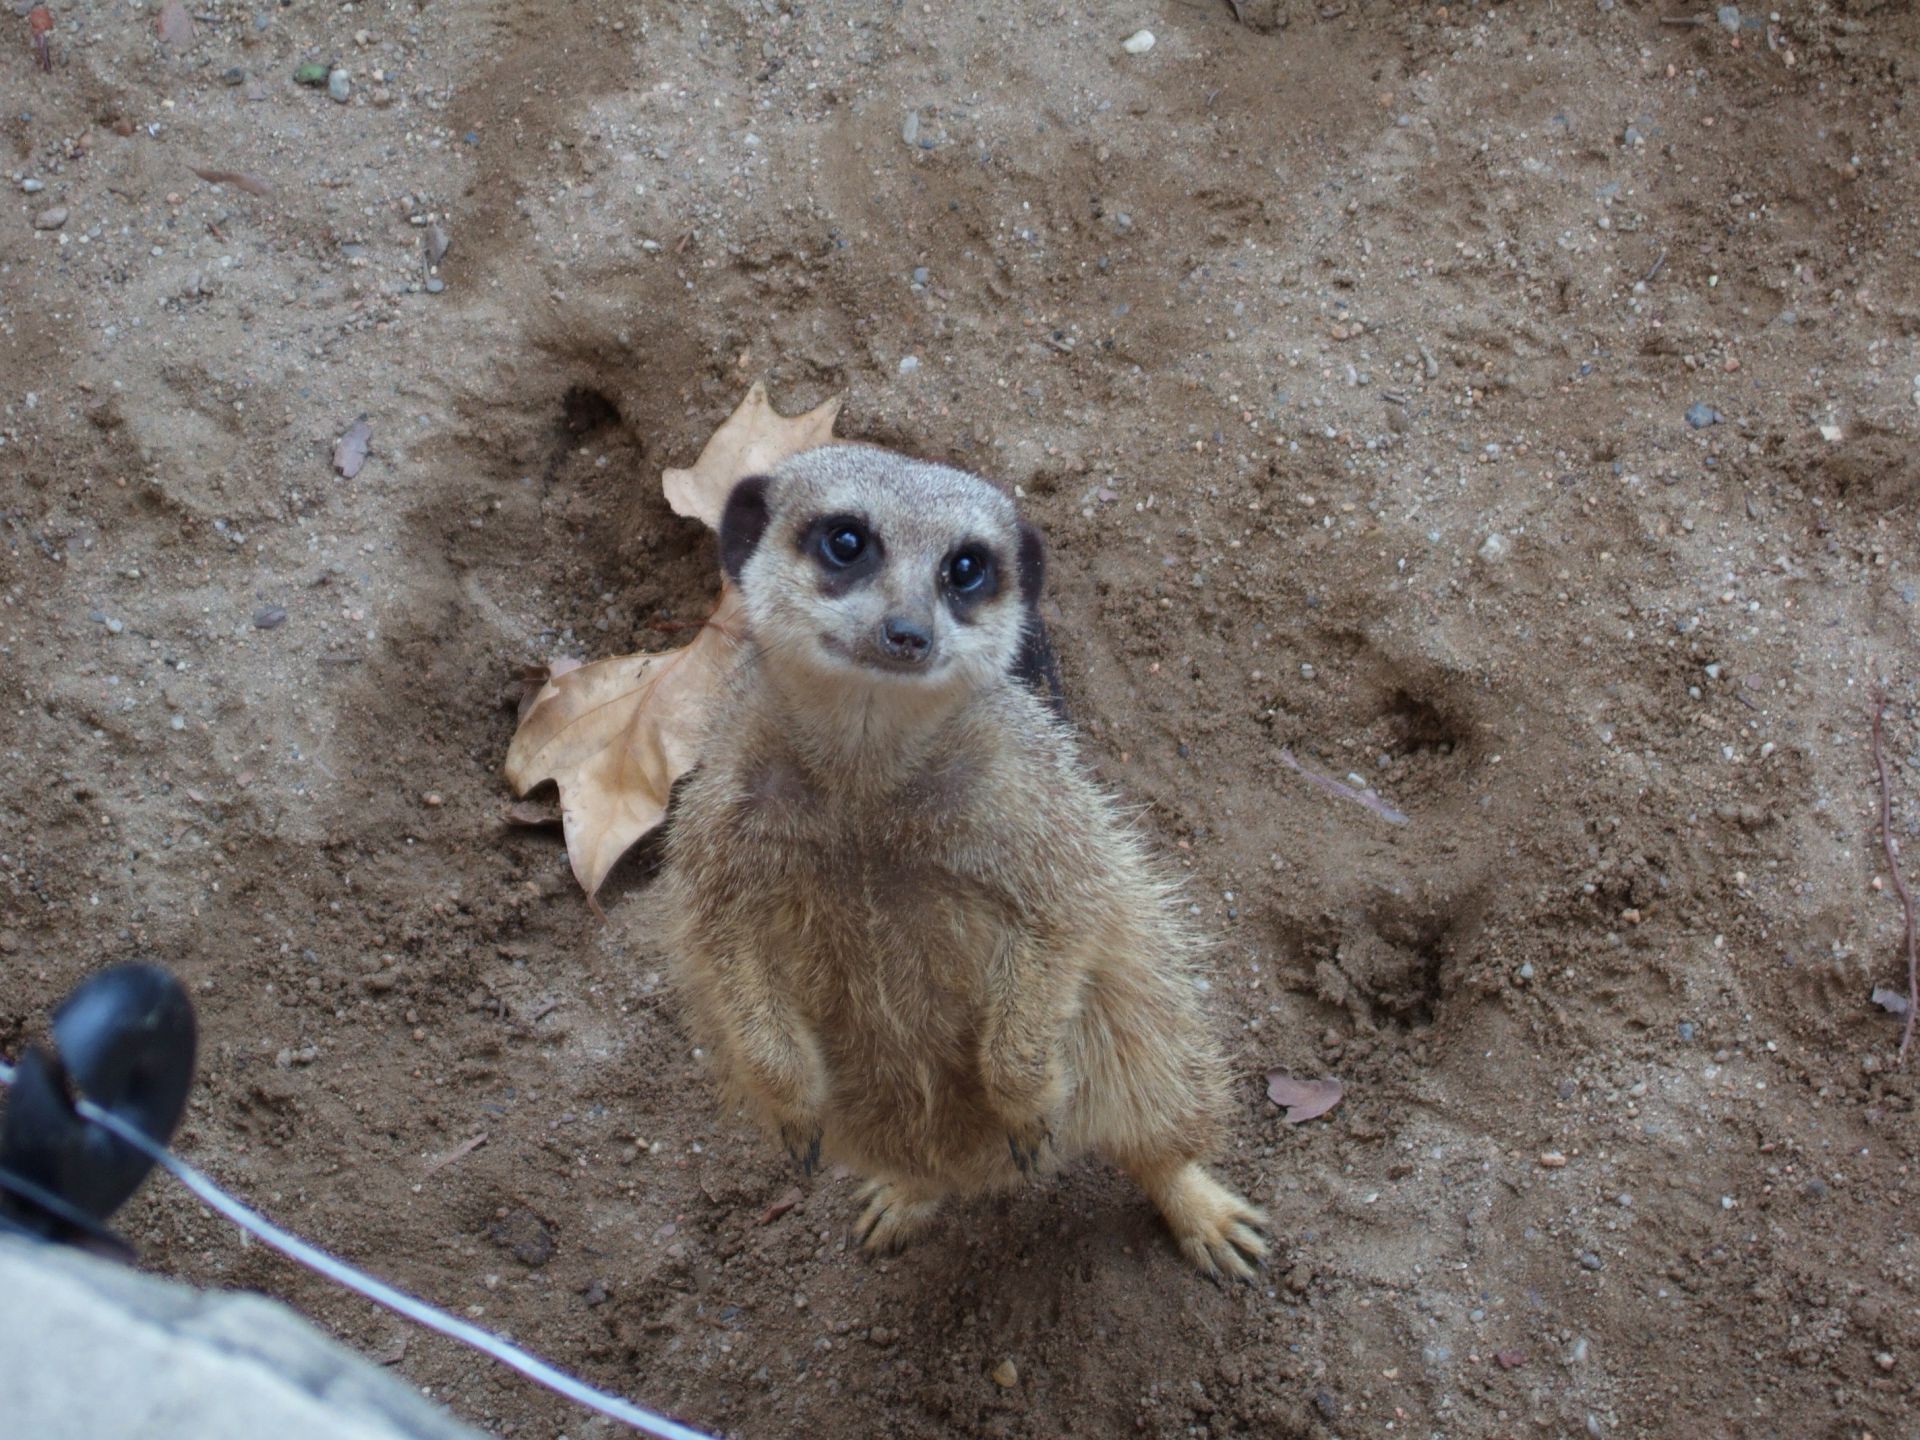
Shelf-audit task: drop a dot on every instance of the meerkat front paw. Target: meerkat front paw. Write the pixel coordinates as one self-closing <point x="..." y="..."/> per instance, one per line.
<point x="894" y="1214"/>
<point x="802" y="1139"/>
<point x="1215" y="1229"/>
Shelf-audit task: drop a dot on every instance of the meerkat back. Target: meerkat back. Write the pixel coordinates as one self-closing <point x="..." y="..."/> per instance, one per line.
<point x="911" y="930"/>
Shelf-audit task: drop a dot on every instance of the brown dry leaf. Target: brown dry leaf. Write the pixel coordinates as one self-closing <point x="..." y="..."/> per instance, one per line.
<point x="1304" y="1099"/>
<point x="753" y="440"/>
<point x="238" y="179"/>
<point x="175" y="26"/>
<point x="616" y="734"/>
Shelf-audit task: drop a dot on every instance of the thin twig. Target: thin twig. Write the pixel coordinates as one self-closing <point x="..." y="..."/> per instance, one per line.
<point x="459" y="1152"/>
<point x="1899" y="880"/>
<point x="1647" y="278"/>
<point x="1368" y="798"/>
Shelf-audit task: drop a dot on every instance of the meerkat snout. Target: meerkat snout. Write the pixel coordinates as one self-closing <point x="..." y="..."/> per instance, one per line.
<point x="906" y="640"/>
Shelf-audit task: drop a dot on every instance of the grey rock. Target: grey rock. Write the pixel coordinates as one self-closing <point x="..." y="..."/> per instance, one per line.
<point x="1700" y="415"/>
<point x="100" y="1351"/>
<point x="51" y="219"/>
<point x="1730" y="18"/>
<point x="339" y="85"/>
<point x="269" y="617"/>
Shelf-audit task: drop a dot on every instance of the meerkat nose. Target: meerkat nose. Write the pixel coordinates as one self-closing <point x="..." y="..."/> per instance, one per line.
<point x="906" y="640"/>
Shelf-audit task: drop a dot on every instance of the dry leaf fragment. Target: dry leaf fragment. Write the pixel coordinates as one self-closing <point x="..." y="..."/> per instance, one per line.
<point x="238" y="179"/>
<point x="533" y="813"/>
<point x="350" y="450"/>
<point x="175" y="26"/>
<point x="752" y="441"/>
<point x="780" y="1207"/>
<point x="616" y="734"/>
<point x="1890" y="1000"/>
<point x="1303" y="1099"/>
<point x="40" y="27"/>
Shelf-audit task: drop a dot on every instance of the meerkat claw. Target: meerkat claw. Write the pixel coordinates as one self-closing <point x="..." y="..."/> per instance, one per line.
<point x="893" y="1217"/>
<point x="805" y="1153"/>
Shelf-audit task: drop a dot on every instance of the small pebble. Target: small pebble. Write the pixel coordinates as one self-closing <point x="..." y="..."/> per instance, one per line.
<point x="1138" y="43"/>
<point x="1006" y="1374"/>
<point x="51" y="219"/>
<point x="910" y="128"/>
<point x="233" y="75"/>
<point x="921" y="275"/>
<point x="178" y="722"/>
<point x="1701" y="415"/>
<point x="1552" y="1160"/>
<point x="1730" y="18"/>
<point x="33" y="187"/>
<point x="1590" y="1260"/>
<point x="1306" y="672"/>
<point x="909" y="364"/>
<point x="435" y="284"/>
<point x="1495" y="548"/>
<point x="339" y="86"/>
<point x="269" y="617"/>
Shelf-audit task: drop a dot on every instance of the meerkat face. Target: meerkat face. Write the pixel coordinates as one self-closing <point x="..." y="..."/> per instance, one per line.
<point x="856" y="564"/>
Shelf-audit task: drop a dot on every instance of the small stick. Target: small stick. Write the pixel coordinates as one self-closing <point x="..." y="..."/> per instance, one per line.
<point x="1899" y="880"/>
<point x="1345" y="791"/>
<point x="1647" y="278"/>
<point x="459" y="1152"/>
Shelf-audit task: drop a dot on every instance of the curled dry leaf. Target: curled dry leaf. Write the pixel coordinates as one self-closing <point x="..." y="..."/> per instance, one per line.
<point x="616" y="734"/>
<point x="1303" y="1099"/>
<point x="350" y="450"/>
<point x="753" y="440"/>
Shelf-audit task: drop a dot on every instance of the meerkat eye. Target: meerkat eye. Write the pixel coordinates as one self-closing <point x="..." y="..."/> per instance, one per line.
<point x="967" y="571"/>
<point x="843" y="542"/>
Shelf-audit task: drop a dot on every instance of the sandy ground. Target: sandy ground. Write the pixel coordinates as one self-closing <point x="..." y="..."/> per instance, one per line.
<point x="1345" y="353"/>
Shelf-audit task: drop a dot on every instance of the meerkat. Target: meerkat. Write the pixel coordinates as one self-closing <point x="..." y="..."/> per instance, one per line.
<point x="914" y="934"/>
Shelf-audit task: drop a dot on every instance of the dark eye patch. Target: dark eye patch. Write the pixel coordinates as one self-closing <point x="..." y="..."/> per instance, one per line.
<point x="844" y="549"/>
<point x="969" y="578"/>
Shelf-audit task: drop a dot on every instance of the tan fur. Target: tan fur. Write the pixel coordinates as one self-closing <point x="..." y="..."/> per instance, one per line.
<point x="914" y="934"/>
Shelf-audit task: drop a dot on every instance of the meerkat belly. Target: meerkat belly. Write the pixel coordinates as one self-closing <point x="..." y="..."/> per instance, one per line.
<point x="888" y="960"/>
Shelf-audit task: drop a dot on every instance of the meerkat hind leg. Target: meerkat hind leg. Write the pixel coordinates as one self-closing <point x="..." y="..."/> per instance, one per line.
<point x="895" y="1212"/>
<point x="1216" y="1230"/>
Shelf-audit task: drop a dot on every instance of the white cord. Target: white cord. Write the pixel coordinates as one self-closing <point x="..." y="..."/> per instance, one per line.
<point x="378" y="1291"/>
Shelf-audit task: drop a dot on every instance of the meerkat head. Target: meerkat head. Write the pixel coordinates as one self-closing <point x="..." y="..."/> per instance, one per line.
<point x="859" y="566"/>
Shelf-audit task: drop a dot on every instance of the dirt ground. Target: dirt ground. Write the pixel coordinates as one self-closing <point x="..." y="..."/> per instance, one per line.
<point x="1513" y="405"/>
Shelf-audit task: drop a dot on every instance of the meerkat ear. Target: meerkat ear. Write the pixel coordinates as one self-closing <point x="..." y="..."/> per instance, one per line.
<point x="742" y="523"/>
<point x="1033" y="565"/>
